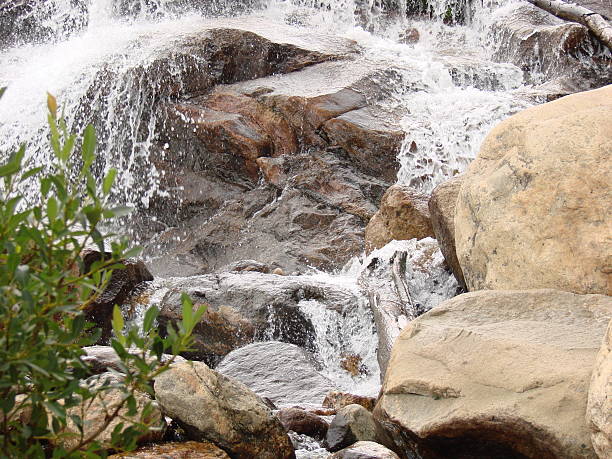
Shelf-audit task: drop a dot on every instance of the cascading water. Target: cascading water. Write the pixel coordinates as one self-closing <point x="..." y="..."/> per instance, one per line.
<point x="109" y="63"/>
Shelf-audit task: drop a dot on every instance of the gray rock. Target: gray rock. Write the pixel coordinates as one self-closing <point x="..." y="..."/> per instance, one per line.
<point x="212" y="407"/>
<point x="283" y="372"/>
<point x="354" y="423"/>
<point x="246" y="307"/>
<point x="365" y="450"/>
<point x="104" y="358"/>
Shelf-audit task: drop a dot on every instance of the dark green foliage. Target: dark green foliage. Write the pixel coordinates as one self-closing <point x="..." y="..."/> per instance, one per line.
<point x="44" y="288"/>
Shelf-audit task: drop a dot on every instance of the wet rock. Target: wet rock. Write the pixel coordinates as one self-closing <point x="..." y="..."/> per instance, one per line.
<point x="185" y="450"/>
<point x="25" y="21"/>
<point x="372" y="145"/>
<point x="442" y="211"/>
<point x="414" y="268"/>
<point x="544" y="45"/>
<point x="303" y="422"/>
<point x="282" y="372"/>
<point x="311" y="144"/>
<point x="353" y="423"/>
<point x="532" y="195"/>
<point x="410" y="36"/>
<point x="249" y="266"/>
<point x="496" y="374"/>
<point x="104" y="358"/>
<point x="599" y="404"/>
<point x="95" y="414"/>
<point x="338" y="400"/>
<point x="212" y="407"/>
<point x="403" y="215"/>
<point x="365" y="450"/>
<point x="247" y="306"/>
<point x="122" y="284"/>
<point x="156" y="8"/>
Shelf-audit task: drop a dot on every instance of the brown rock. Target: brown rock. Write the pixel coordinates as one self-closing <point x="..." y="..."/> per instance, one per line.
<point x="338" y="400"/>
<point x="410" y="36"/>
<point x="186" y="450"/>
<point x="599" y="407"/>
<point x="303" y="422"/>
<point x="121" y="285"/>
<point x="442" y="211"/>
<point x="403" y="215"/>
<point x="212" y="407"/>
<point x="496" y="374"/>
<point x="353" y="364"/>
<point x="371" y="144"/>
<point x="534" y="208"/>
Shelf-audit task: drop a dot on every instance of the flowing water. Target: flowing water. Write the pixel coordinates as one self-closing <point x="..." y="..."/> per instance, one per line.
<point x="447" y="87"/>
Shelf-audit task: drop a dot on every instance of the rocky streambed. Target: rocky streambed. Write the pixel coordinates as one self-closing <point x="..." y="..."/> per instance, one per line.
<point x="302" y="169"/>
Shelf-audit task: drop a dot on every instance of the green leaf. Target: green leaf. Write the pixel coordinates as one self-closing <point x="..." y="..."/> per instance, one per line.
<point x="118" y="322"/>
<point x="2" y="91"/>
<point x="133" y="252"/>
<point x="149" y="318"/>
<point x="187" y="310"/>
<point x="30" y="173"/>
<point x="89" y="146"/>
<point x="51" y="208"/>
<point x="14" y="163"/>
<point x="109" y="180"/>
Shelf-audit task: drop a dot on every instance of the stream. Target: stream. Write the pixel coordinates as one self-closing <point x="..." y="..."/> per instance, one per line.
<point x="446" y="78"/>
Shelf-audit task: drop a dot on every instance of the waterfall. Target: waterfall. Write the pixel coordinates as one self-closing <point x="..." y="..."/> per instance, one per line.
<point x="109" y="62"/>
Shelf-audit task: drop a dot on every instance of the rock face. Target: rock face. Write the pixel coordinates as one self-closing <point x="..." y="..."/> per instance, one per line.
<point x="186" y="450"/>
<point x="544" y="45"/>
<point x="303" y="422"/>
<point x="245" y="307"/>
<point x="282" y="372"/>
<point x="496" y="374"/>
<point x="599" y="408"/>
<point x="442" y="212"/>
<point x="212" y="407"/>
<point x="353" y="423"/>
<point x="96" y="412"/>
<point x="23" y="21"/>
<point x="365" y="450"/>
<point x="403" y="215"/>
<point x="533" y="211"/>
<point x="284" y="170"/>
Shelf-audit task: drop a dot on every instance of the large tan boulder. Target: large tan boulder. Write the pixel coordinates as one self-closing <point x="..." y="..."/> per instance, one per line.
<point x="211" y="407"/>
<point x="403" y="215"/>
<point x="496" y="374"/>
<point x="442" y="205"/>
<point x="534" y="208"/>
<point x="599" y="408"/>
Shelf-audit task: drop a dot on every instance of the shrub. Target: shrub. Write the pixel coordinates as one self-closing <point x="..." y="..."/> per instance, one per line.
<point x="44" y="290"/>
